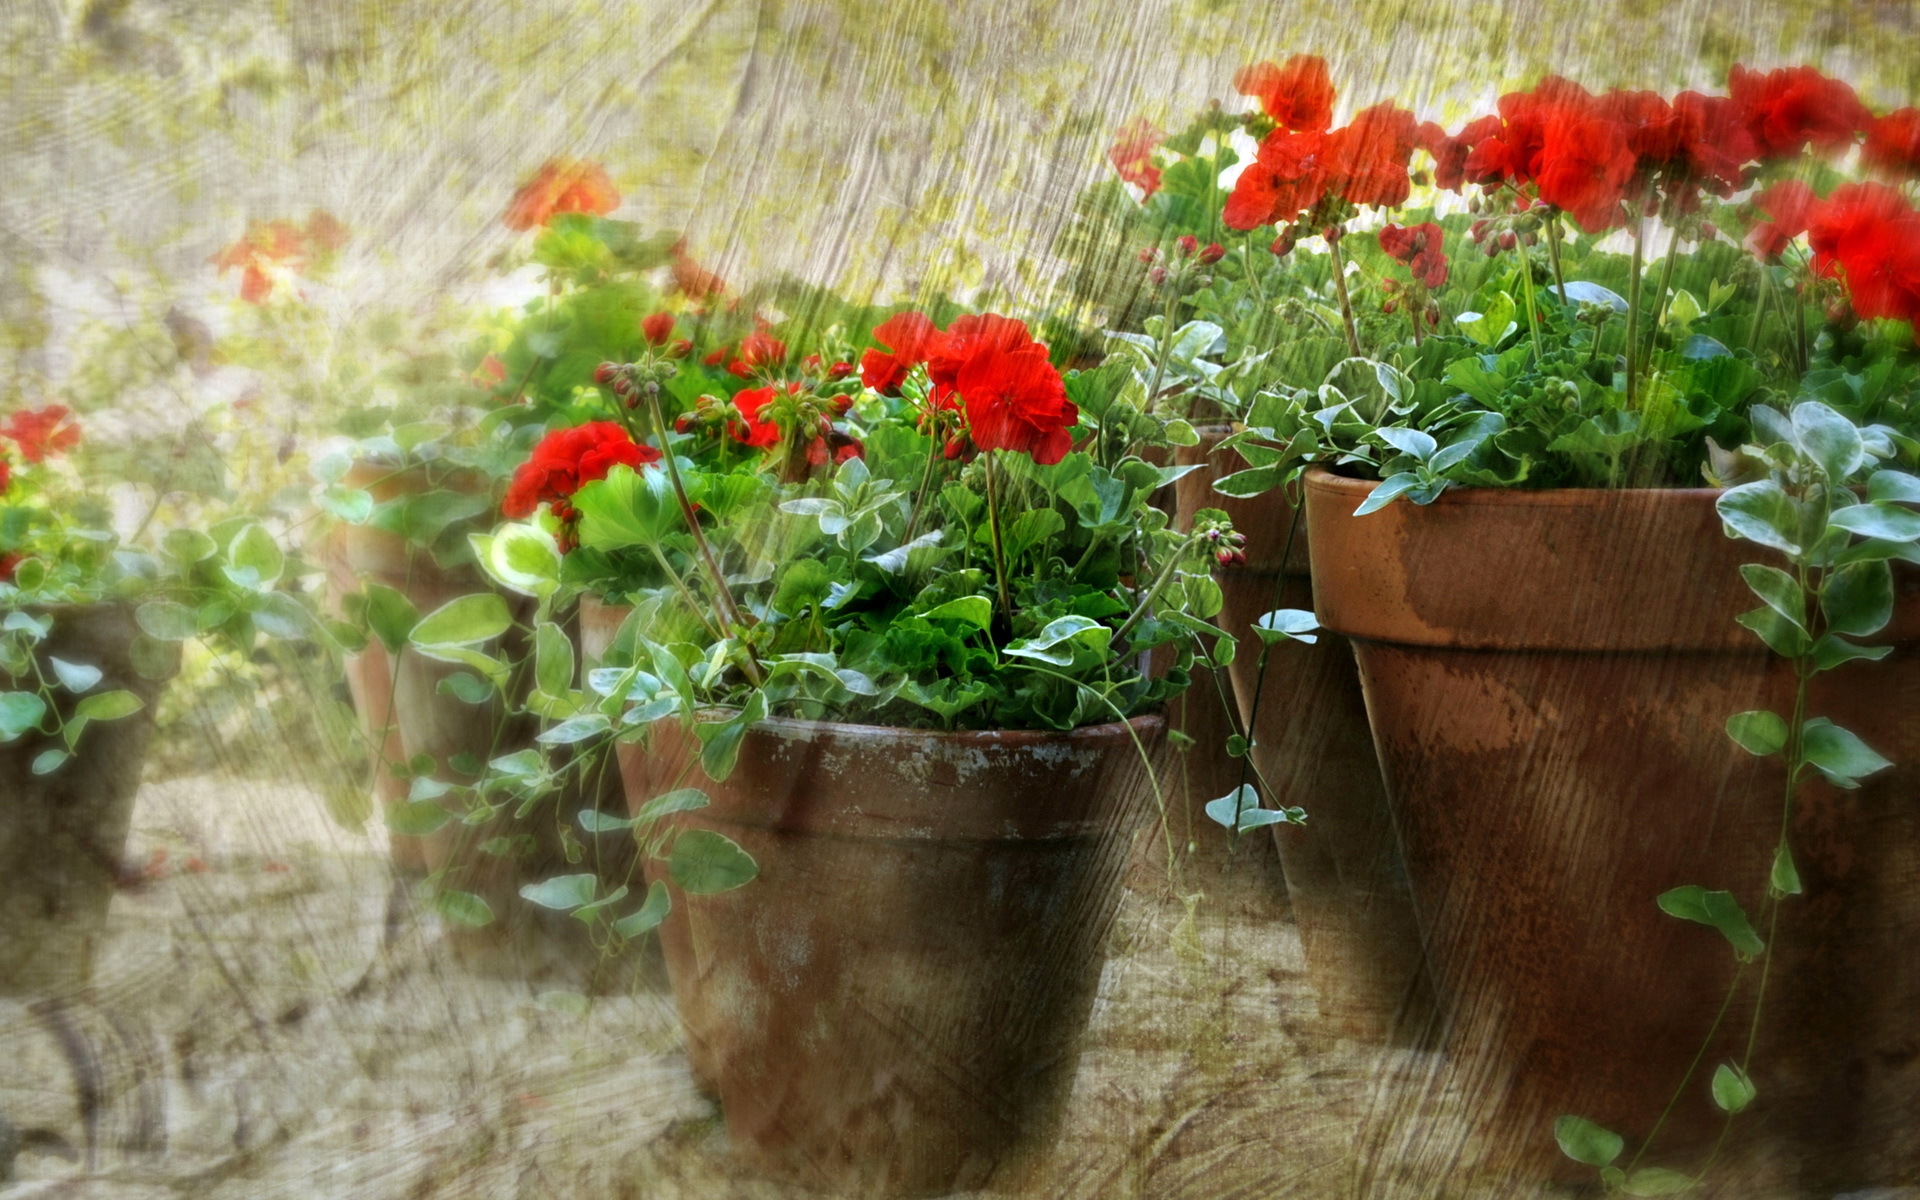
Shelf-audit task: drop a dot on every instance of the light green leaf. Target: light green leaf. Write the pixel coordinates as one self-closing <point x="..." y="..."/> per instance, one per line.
<point x="1762" y="512"/>
<point x="1718" y="909"/>
<point x="1785" y="877"/>
<point x="1780" y="591"/>
<point x="1858" y="599"/>
<point x="574" y="729"/>
<point x="463" y="908"/>
<point x="552" y="660"/>
<point x="1887" y="522"/>
<point x="253" y="549"/>
<point x="649" y="915"/>
<point x="1838" y="754"/>
<point x="1829" y="439"/>
<point x="167" y="620"/>
<point x="974" y="610"/>
<point x="1759" y="732"/>
<point x="563" y="892"/>
<point x="704" y="863"/>
<point x="48" y="761"/>
<point x="1584" y="1142"/>
<point x="1894" y="486"/>
<point x="521" y="558"/>
<point x="466" y="688"/>
<point x="109" y="706"/>
<point x="1732" y="1090"/>
<point x="390" y="615"/>
<point x="75" y="677"/>
<point x="1656" y="1181"/>
<point x="463" y="621"/>
<point x="676" y="801"/>
<point x="1287" y="624"/>
<point x="594" y="821"/>
<point x="416" y="818"/>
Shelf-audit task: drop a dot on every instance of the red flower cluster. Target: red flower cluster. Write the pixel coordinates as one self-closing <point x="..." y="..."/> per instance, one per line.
<point x="561" y="185"/>
<point x="269" y="248"/>
<point x="758" y="350"/>
<point x="761" y="412"/>
<point x="1297" y="95"/>
<point x="1790" y="109"/>
<point x="987" y="368"/>
<point x="41" y="433"/>
<point x="1419" y="247"/>
<point x="565" y="460"/>
<point x="1869" y="236"/>
<point x="1132" y="154"/>
<point x="1893" y="144"/>
<point x="1300" y="164"/>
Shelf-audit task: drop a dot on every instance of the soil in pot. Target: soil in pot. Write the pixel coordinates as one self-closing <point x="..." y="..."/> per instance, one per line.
<point x="1556" y="758"/>
<point x="62" y="835"/>
<point x="1345" y="878"/>
<point x="894" y="1005"/>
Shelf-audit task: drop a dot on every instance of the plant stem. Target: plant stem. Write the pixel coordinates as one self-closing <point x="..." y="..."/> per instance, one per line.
<point x="1159" y="583"/>
<point x="1346" y="303"/>
<point x="1633" y="309"/>
<point x="1553" y="255"/>
<point x="729" y="611"/>
<point x="920" y="497"/>
<point x="1260" y="666"/>
<point x="1660" y="301"/>
<point x="1526" y="294"/>
<point x="999" y="553"/>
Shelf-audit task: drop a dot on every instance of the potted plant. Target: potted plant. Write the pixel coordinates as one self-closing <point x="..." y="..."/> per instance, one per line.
<point x="901" y="697"/>
<point x="1557" y="753"/>
<point x="93" y="621"/>
<point x="1260" y="315"/>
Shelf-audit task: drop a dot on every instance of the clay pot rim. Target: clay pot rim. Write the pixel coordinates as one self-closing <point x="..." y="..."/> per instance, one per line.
<point x="1321" y="478"/>
<point x="805" y="728"/>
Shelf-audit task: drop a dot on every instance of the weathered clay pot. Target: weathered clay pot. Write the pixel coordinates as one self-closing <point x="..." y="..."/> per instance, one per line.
<point x="894" y="1005"/>
<point x="1344" y="875"/>
<point x="523" y="941"/>
<point x="1549" y="675"/>
<point x="62" y="835"/>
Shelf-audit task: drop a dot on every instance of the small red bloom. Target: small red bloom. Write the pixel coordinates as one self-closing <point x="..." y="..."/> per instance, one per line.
<point x="490" y="371"/>
<point x="757" y="349"/>
<point x="561" y="185"/>
<point x="657" y="329"/>
<point x="1187" y="244"/>
<point x="1288" y="177"/>
<point x="1418" y="246"/>
<point x="1013" y="397"/>
<point x="9" y="563"/>
<point x="718" y="356"/>
<point x="567" y="459"/>
<point x="1132" y="154"/>
<point x="267" y="248"/>
<point x="754" y="429"/>
<point x="1210" y="253"/>
<point x="1793" y="108"/>
<point x="1867" y="235"/>
<point x="907" y="339"/>
<point x="42" y="432"/>
<point x="1789" y="205"/>
<point x="1893" y="144"/>
<point x="1298" y="94"/>
<point x="1584" y="167"/>
<point x="1368" y="157"/>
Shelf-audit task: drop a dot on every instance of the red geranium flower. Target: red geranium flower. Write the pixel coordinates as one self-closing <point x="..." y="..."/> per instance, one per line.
<point x="1866" y="234"/>
<point x="561" y="185"/>
<point x="567" y="459"/>
<point x="657" y="329"/>
<point x="1893" y="144"/>
<point x="1288" y="177"/>
<point x="1418" y="246"/>
<point x="757" y="349"/>
<point x="753" y="428"/>
<point x="1789" y="205"/>
<point x="264" y="250"/>
<point x="908" y="339"/>
<point x="1585" y="166"/>
<point x="1368" y="157"/>
<point x="1297" y="95"/>
<point x="1450" y="152"/>
<point x="1512" y="152"/>
<point x="1793" y="108"/>
<point x="1012" y="396"/>
<point x="1713" y="142"/>
<point x="42" y="432"/>
<point x="1132" y="154"/>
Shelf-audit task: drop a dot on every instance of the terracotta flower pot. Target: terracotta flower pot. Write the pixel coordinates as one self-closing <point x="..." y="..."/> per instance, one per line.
<point x="1344" y="875"/>
<point x="62" y="835"/>
<point x="1549" y="675"/>
<point x="893" y="1006"/>
<point x="524" y="940"/>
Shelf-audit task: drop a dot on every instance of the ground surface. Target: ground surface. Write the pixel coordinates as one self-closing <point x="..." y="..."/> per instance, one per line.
<point x="275" y="1018"/>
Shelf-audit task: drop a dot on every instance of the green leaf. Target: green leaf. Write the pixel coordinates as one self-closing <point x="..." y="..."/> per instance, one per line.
<point x="676" y="801"/>
<point x="1070" y="628"/>
<point x="1762" y="512"/>
<point x="463" y="908"/>
<point x="1830" y="652"/>
<point x="1028" y="530"/>
<point x="1411" y="442"/>
<point x="1780" y="591"/>
<point x="1894" y="486"/>
<point x="1885" y="521"/>
<point x="1287" y="624"/>
<point x="1732" y="1090"/>
<point x="1785" y="877"/>
<point x="48" y="761"/>
<point x="188" y="546"/>
<point x="1656" y="1181"/>
<point x="75" y="677"/>
<point x="167" y="620"/>
<point x="1251" y="482"/>
<point x="1758" y="732"/>
<point x="649" y="915"/>
<point x="109" y="706"/>
<point x="1829" y="439"/>
<point x="521" y="558"/>
<point x="1858" y="599"/>
<point x="1785" y="638"/>
<point x="627" y="508"/>
<point x="1389" y="490"/>
<point x="416" y="818"/>
<point x="466" y="688"/>
<point x="974" y="610"/>
<point x="1838" y="754"/>
<point x="552" y="660"/>
<point x="1718" y="909"/>
<point x="1584" y="1142"/>
<point x="594" y="821"/>
<point x="562" y="892"/>
<point x="463" y="621"/>
<point x="704" y="863"/>
<point x="352" y="505"/>
<point x="390" y="615"/>
<point x="574" y="729"/>
<point x="1490" y="327"/>
<point x="253" y="549"/>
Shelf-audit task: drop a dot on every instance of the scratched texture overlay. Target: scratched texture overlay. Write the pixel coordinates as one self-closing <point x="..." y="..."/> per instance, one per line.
<point x="274" y="1013"/>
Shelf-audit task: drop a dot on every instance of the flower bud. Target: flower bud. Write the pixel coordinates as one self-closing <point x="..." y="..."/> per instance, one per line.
<point x="1148" y="254"/>
<point x="839" y="371"/>
<point x="1283" y="245"/>
<point x="1212" y="253"/>
<point x="1507" y="240"/>
<point x="1157" y="276"/>
<point x="956" y="446"/>
<point x="680" y="348"/>
<point x="1186" y="244"/>
<point x="604" y="373"/>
